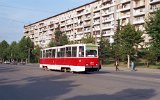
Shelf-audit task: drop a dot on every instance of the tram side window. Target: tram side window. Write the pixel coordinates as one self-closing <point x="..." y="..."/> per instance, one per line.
<point x="41" y="54"/>
<point x="53" y="52"/>
<point x="61" y="52"/>
<point x="48" y="53"/>
<point x="74" y="51"/>
<point x="81" y="51"/>
<point x="44" y="53"/>
<point x="68" y="51"/>
<point x="58" y="53"/>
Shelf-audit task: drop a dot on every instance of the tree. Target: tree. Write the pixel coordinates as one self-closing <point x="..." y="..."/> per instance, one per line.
<point x="58" y="35"/>
<point x="148" y="55"/>
<point x="88" y="39"/>
<point x="129" y="41"/>
<point x="36" y="53"/>
<point x="105" y="51"/>
<point x="152" y="27"/>
<point x="51" y="44"/>
<point x="64" y="39"/>
<point x="14" y="51"/>
<point x="25" y="47"/>
<point x="4" y="50"/>
<point x="116" y="46"/>
<point x="60" y="38"/>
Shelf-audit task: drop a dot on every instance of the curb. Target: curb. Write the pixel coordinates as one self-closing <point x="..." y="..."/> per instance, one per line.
<point x="144" y="70"/>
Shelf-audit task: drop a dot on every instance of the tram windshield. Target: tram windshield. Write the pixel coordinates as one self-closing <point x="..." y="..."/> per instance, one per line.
<point x="91" y="51"/>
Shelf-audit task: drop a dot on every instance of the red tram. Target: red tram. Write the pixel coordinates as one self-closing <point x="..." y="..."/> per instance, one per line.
<point x="74" y="58"/>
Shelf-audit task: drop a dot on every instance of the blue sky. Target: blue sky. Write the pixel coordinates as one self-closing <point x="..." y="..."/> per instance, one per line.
<point x="14" y="14"/>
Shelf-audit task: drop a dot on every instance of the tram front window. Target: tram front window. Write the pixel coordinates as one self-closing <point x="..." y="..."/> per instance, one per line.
<point x="91" y="53"/>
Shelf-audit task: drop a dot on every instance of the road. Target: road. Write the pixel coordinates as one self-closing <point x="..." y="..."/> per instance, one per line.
<point x="29" y="82"/>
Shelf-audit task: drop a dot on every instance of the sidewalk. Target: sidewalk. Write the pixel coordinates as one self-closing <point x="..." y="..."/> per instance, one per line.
<point x="142" y="70"/>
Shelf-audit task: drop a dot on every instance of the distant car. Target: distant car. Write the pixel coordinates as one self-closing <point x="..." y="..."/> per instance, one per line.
<point x="7" y="62"/>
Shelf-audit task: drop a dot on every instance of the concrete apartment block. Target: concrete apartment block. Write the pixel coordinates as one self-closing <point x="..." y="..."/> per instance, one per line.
<point x="98" y="18"/>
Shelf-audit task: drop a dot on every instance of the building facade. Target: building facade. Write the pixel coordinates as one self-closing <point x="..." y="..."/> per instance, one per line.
<point x="98" y="18"/>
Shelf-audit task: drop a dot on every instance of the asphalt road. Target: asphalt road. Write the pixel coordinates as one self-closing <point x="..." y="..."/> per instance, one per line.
<point x="29" y="82"/>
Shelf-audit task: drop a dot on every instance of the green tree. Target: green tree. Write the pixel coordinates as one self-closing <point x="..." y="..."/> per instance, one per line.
<point x="36" y="53"/>
<point x="64" y="39"/>
<point x="88" y="39"/>
<point x="105" y="50"/>
<point x="129" y="41"/>
<point x="58" y="35"/>
<point x="25" y="48"/>
<point x="60" y="38"/>
<point x="152" y="27"/>
<point x="4" y="50"/>
<point x="116" y="46"/>
<point x="148" y="56"/>
<point x="14" y="51"/>
<point x="51" y="44"/>
<point x="73" y="42"/>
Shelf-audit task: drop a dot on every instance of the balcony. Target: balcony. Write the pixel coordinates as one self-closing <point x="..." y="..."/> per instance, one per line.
<point x="105" y="20"/>
<point x="96" y="28"/>
<point x="69" y="22"/>
<point x="125" y="1"/>
<point x="98" y="36"/>
<point x="138" y="4"/>
<point x="107" y="13"/>
<point x="141" y="21"/>
<point x="139" y="12"/>
<point x="124" y="16"/>
<point x="79" y="26"/>
<point x="96" y="23"/>
<point x="87" y="30"/>
<point x="87" y="24"/>
<point x="107" y="26"/>
<point x="97" y="8"/>
<point x="107" y="6"/>
<point x="123" y="8"/>
<point x="96" y="15"/>
<point x="154" y="8"/>
<point x="87" y="11"/>
<point x="87" y="18"/>
<point x="62" y="24"/>
<point x="69" y="28"/>
<point x="154" y="1"/>
<point x="109" y="33"/>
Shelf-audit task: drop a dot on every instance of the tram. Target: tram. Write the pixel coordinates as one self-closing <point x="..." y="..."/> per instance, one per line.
<point x="73" y="58"/>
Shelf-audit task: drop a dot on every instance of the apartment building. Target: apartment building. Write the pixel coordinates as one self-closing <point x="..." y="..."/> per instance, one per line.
<point x="98" y="18"/>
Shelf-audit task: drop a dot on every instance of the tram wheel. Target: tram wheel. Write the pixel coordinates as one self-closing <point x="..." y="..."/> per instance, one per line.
<point x="65" y="70"/>
<point x="45" y="68"/>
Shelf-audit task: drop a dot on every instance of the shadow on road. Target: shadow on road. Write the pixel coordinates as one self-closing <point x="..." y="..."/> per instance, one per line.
<point x="7" y="68"/>
<point x="127" y="94"/>
<point x="37" y="88"/>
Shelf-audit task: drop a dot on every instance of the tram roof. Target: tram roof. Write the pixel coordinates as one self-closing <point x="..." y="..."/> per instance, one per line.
<point x="68" y="45"/>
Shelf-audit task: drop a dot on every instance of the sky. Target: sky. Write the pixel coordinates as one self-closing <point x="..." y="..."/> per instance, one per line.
<point x="14" y="14"/>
